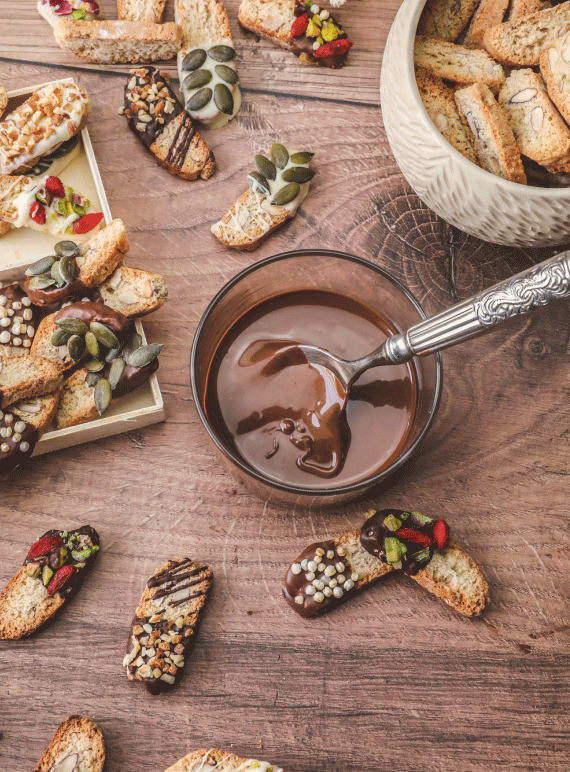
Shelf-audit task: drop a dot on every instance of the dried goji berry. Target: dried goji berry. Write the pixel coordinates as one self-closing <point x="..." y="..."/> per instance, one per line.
<point x="441" y="534"/>
<point x="334" y="48"/>
<point x="61" y="577"/>
<point x="43" y="546"/>
<point x="55" y="186"/>
<point x="87" y="222"/>
<point x="38" y="213"/>
<point x="299" y="25"/>
<point x="416" y="537"/>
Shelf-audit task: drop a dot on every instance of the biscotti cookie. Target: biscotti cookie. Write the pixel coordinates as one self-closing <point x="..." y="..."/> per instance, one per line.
<point x="207" y="62"/>
<point x="158" y="120"/>
<point x="78" y="10"/>
<point x="308" y="31"/>
<point x="118" y="42"/>
<point x="327" y="574"/>
<point x="27" y="377"/>
<point x="3" y="100"/>
<point x="166" y="623"/>
<point x="519" y="8"/>
<point x="489" y="13"/>
<point x="133" y="292"/>
<point x="53" y="571"/>
<point x="209" y="760"/>
<point x="456" y="63"/>
<point x="50" y="116"/>
<point x="540" y="132"/>
<point x="446" y="19"/>
<point x="21" y="426"/>
<point x="492" y="137"/>
<point x="73" y="270"/>
<point x="439" y="101"/>
<point x="141" y="10"/>
<point x="278" y="187"/>
<point x="18" y="321"/>
<point x="519" y="43"/>
<point x="48" y="206"/>
<point x="555" y="68"/>
<point x="78" y="746"/>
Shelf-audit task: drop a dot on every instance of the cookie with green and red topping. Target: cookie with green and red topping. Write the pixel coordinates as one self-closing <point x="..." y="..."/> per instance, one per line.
<point x="53" y="571"/>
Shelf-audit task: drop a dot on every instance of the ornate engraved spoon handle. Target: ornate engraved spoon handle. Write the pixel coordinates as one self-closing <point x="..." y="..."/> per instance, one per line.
<point x="524" y="293"/>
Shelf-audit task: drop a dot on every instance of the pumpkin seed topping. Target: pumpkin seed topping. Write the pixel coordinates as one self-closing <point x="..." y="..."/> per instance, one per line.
<point x="73" y="325"/>
<point x="265" y="167"/>
<point x="301" y="157"/>
<point x="197" y="79"/>
<point x="226" y="73"/>
<point x="104" y="335"/>
<point x="76" y="347"/>
<point x="67" y="268"/>
<point x="102" y="395"/>
<point x="199" y="100"/>
<point x="92" y="378"/>
<point x="223" y="99"/>
<point x="287" y="194"/>
<point x="279" y="155"/>
<point x="194" y="60"/>
<point x="112" y="354"/>
<point x="41" y="266"/>
<point x="259" y="183"/>
<point x="145" y="355"/>
<point x="92" y="344"/>
<point x="56" y="274"/>
<point x="116" y="371"/>
<point x="66" y="249"/>
<point x="94" y="366"/>
<point x="298" y="174"/>
<point x="221" y="53"/>
<point x="60" y="337"/>
<point x="41" y="282"/>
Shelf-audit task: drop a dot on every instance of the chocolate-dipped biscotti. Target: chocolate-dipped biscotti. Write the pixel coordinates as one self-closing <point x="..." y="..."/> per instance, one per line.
<point x="164" y="629"/>
<point x="77" y="746"/>
<point x="327" y="574"/>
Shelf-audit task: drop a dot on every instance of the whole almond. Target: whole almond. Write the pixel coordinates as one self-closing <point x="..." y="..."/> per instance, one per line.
<point x="537" y="118"/>
<point x="524" y="96"/>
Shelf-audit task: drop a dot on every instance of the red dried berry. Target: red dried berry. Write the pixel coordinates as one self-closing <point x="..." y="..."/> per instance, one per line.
<point x="334" y="48"/>
<point x="55" y="186"/>
<point x="87" y="222"/>
<point x="441" y="534"/>
<point x="61" y="577"/>
<point x="299" y="25"/>
<point x="416" y="537"/>
<point x="43" y="546"/>
<point x="38" y="213"/>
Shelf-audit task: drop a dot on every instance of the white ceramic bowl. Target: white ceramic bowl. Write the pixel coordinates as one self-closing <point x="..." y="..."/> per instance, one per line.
<point x="486" y="206"/>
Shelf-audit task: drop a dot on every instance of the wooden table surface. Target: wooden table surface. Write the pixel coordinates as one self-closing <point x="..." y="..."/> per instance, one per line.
<point x="394" y="680"/>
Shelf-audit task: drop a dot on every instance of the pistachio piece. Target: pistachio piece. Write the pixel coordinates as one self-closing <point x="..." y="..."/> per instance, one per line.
<point x="80" y="555"/>
<point x="226" y="73"/>
<point x="223" y="99"/>
<point x="392" y="523"/>
<point x="102" y="395"/>
<point x="259" y="183"/>
<point x="73" y="325"/>
<point x="104" y="335"/>
<point x="221" y="53"/>
<point x="301" y="157"/>
<point x="92" y="378"/>
<point x="43" y="265"/>
<point x="279" y="155"/>
<point x="423" y="556"/>
<point x="145" y="355"/>
<point x="56" y="274"/>
<point x="265" y="167"/>
<point x="67" y="268"/>
<point x="194" y="60"/>
<point x="94" y="366"/>
<point x="33" y="570"/>
<point x="298" y="174"/>
<point x="60" y="338"/>
<point x="419" y="519"/>
<point x="286" y="194"/>
<point x="76" y="347"/>
<point x="41" y="282"/>
<point x="197" y="79"/>
<point x="92" y="344"/>
<point x="47" y="574"/>
<point x="395" y="549"/>
<point x="66" y="249"/>
<point x="199" y="100"/>
<point x="116" y="372"/>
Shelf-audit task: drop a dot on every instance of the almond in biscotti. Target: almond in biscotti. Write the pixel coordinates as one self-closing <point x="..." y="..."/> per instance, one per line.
<point x="555" y="68"/>
<point x="540" y="132"/>
<point x="77" y="746"/>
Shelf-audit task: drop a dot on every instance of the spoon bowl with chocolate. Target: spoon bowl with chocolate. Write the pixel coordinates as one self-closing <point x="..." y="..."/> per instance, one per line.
<point x="282" y="424"/>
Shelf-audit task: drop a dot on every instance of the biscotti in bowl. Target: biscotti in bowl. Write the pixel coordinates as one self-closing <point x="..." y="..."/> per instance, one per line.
<point x="481" y="139"/>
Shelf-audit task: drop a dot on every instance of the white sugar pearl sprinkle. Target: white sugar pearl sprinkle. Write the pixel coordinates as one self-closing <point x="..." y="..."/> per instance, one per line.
<point x="17" y="437"/>
<point x="315" y="8"/>
<point x="10" y="312"/>
<point x="5" y="322"/>
<point x="348" y="585"/>
<point x="330" y="554"/>
<point x="27" y="343"/>
<point x="333" y="583"/>
<point x="19" y="426"/>
<point x="299" y="599"/>
<point x="296" y="568"/>
<point x="4" y="448"/>
<point x="24" y="446"/>
<point x="304" y="564"/>
<point x="319" y="597"/>
<point x="337" y="592"/>
<point x="311" y="565"/>
<point x="16" y="305"/>
<point x="310" y="590"/>
<point x="16" y="341"/>
<point x="354" y="577"/>
<point x="340" y="567"/>
<point x="325" y="15"/>
<point x="320" y="552"/>
<point x="330" y="571"/>
<point x="5" y="337"/>
<point x="327" y="592"/>
<point x="316" y="45"/>
<point x="27" y="315"/>
<point x="16" y="328"/>
<point x="341" y="578"/>
<point x="340" y="551"/>
<point x="3" y="300"/>
<point x="318" y="584"/>
<point x="8" y="418"/>
<point x="3" y="313"/>
<point x="31" y="331"/>
<point x="310" y="576"/>
<point x="26" y="302"/>
<point x="321" y="567"/>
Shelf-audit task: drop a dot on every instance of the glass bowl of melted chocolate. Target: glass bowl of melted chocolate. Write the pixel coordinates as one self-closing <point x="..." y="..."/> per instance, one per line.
<point x="282" y="425"/>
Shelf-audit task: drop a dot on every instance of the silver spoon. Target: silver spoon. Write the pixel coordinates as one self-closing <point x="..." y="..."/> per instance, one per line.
<point x="522" y="294"/>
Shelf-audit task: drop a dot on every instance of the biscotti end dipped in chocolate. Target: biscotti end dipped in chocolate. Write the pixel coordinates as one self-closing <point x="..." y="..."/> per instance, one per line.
<point x="53" y="571"/>
<point x="164" y="629"/>
<point x="18" y="321"/>
<point x="157" y="118"/>
<point x="77" y="746"/>
<point x="213" y="759"/>
<point x="328" y="574"/>
<point x="21" y="426"/>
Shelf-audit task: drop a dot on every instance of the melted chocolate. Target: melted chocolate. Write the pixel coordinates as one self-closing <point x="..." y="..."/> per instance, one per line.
<point x="132" y="378"/>
<point x="15" y="446"/>
<point x="267" y="403"/>
<point x="52" y="295"/>
<point x="302" y="46"/>
<point x="180" y="144"/>
<point x="154" y="128"/>
<point x="96" y="312"/>
<point x="374" y="532"/>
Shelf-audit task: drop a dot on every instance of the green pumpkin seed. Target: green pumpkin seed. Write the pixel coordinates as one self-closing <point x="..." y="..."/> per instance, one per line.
<point x="104" y="335"/>
<point x="194" y="60"/>
<point x="226" y="73"/>
<point x="76" y="347"/>
<point x="221" y="53"/>
<point x="94" y="366"/>
<point x="265" y="166"/>
<point x="112" y="354"/>
<point x="298" y="174"/>
<point x="56" y="274"/>
<point x="145" y="355"/>
<point x="199" y="100"/>
<point x="134" y="343"/>
<point x="258" y="183"/>
<point x="102" y="395"/>
<point x="116" y="372"/>
<point x="41" y="266"/>
<point x="223" y="99"/>
<point x="279" y="155"/>
<point x="60" y="338"/>
<point x="92" y="378"/>
<point x="67" y="268"/>
<point x="66" y="249"/>
<point x="197" y="79"/>
<point x="73" y="325"/>
<point x="301" y="158"/>
<point x="92" y="344"/>
<point x="286" y="194"/>
<point x="42" y="282"/>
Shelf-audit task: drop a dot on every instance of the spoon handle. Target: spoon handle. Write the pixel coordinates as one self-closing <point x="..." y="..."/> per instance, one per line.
<point x="522" y="294"/>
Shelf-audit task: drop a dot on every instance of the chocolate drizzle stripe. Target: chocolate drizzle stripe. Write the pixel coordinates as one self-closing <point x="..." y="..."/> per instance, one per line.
<point x="180" y="144"/>
<point x="188" y="597"/>
<point x="176" y="588"/>
<point x="171" y="573"/>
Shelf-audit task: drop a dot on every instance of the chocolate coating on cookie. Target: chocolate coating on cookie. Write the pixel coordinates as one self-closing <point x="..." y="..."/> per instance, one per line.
<point x="18" y="319"/>
<point x="54" y="295"/>
<point x="17" y="441"/>
<point x="95" y="312"/>
<point x="374" y="532"/>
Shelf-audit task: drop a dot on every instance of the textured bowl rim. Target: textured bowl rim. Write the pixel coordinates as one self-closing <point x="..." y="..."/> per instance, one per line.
<point x="361" y="485"/>
<point x="485" y="176"/>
